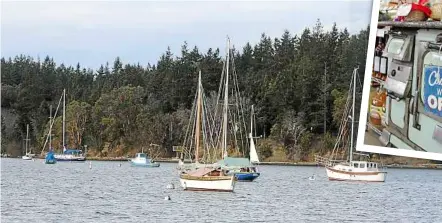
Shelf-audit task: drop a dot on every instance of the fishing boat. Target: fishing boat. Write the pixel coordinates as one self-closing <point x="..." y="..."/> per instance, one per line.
<point x="142" y="160"/>
<point x="350" y="169"/>
<point x="28" y="155"/>
<point x="205" y="176"/>
<point x="70" y="155"/>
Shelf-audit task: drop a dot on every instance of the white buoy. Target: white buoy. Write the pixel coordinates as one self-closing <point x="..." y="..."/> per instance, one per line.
<point x="90" y="164"/>
<point x="170" y="186"/>
<point x="119" y="165"/>
<point x="312" y="177"/>
<point x="167" y="198"/>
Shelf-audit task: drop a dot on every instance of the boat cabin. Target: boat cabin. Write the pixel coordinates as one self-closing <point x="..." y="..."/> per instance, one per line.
<point x="251" y="169"/>
<point x="76" y="152"/>
<point x="141" y="156"/>
<point x="207" y="172"/>
<point x="364" y="165"/>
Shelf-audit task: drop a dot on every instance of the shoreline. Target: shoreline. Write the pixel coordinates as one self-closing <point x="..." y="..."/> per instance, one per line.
<point x="306" y="164"/>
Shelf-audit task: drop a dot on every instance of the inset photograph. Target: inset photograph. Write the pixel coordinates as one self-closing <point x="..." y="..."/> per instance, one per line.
<point x="405" y="96"/>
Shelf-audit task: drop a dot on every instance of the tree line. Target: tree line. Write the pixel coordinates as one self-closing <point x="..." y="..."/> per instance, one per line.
<point x="298" y="85"/>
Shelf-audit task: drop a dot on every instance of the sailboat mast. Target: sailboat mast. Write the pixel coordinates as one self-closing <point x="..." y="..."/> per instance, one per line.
<point x="325" y="98"/>
<point x="353" y="114"/>
<point x="27" y="137"/>
<point x="251" y="123"/>
<point x="198" y="118"/>
<point x="226" y="98"/>
<point x="50" y="127"/>
<point x="64" y="117"/>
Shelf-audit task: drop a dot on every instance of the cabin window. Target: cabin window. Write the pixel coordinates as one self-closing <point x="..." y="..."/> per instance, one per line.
<point x="431" y="83"/>
<point x="396" y="46"/>
<point x="356" y="165"/>
<point x="142" y="155"/>
<point x="362" y="165"/>
<point x="375" y="165"/>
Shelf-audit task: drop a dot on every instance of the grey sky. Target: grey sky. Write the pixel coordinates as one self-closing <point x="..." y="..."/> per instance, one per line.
<point x="93" y="32"/>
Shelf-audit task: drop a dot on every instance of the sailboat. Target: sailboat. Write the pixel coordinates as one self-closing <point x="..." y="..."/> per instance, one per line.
<point x="352" y="170"/>
<point x="50" y="158"/>
<point x="28" y="155"/>
<point x="241" y="167"/>
<point x="254" y="159"/>
<point x="204" y="177"/>
<point x="68" y="154"/>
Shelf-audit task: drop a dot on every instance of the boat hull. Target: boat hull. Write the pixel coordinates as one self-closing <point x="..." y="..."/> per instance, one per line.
<point x="145" y="164"/>
<point x="50" y="161"/>
<point x="71" y="159"/>
<point x="247" y="177"/>
<point x="367" y="176"/>
<point x="26" y="158"/>
<point x="220" y="184"/>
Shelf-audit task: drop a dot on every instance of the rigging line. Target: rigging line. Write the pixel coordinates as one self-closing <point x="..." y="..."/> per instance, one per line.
<point x="343" y="120"/>
<point x="210" y="119"/>
<point x="203" y="123"/>
<point x="234" y="125"/>
<point x="192" y="136"/>
<point x="51" y="124"/>
<point x="343" y="128"/>
<point x="239" y="104"/>
<point x="221" y="86"/>
<point x="186" y="137"/>
<point x="207" y="128"/>
<point x="238" y="110"/>
<point x="340" y="132"/>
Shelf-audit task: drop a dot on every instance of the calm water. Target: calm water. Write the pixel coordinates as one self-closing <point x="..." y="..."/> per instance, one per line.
<point x="71" y="192"/>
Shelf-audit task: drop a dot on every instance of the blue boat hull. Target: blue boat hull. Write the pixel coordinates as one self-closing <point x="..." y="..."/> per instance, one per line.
<point x="246" y="176"/>
<point x="50" y="161"/>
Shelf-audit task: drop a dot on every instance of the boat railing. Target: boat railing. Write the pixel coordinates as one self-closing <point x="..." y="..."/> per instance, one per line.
<point x="322" y="161"/>
<point x="325" y="161"/>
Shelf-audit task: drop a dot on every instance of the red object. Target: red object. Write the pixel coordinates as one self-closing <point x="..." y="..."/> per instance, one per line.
<point x="421" y="7"/>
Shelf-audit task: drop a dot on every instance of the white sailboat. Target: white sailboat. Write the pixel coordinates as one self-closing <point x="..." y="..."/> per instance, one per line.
<point x="352" y="170"/>
<point x="28" y="155"/>
<point x="203" y="177"/>
<point x="254" y="159"/>
<point x="68" y="154"/>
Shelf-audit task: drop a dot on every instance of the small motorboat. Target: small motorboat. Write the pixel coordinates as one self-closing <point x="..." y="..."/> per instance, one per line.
<point x="27" y="157"/>
<point x="142" y="160"/>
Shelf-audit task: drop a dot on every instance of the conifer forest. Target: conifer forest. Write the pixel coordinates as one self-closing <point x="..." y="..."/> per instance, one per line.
<point x="298" y="85"/>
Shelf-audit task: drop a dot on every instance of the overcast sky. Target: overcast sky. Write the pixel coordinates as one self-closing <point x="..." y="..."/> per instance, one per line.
<point x="93" y="32"/>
